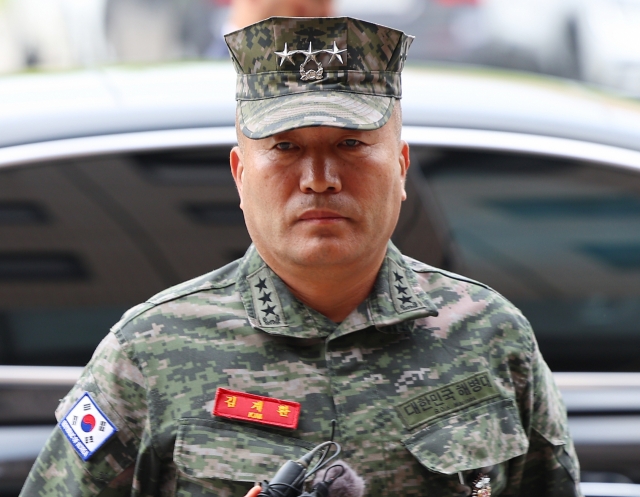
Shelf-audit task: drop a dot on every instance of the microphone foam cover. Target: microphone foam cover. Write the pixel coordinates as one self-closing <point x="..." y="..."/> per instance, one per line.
<point x="347" y="485"/>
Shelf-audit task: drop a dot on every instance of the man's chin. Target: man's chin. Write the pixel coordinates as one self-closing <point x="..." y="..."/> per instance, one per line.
<point x="325" y="252"/>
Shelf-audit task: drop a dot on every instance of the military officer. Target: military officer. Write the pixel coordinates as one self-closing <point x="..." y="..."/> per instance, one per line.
<point x="435" y="381"/>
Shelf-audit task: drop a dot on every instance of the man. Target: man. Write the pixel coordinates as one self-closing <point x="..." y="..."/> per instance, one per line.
<point x="435" y="381"/>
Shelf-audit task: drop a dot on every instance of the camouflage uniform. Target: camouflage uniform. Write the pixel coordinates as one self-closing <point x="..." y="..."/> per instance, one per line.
<point x="432" y="375"/>
<point x="432" y="379"/>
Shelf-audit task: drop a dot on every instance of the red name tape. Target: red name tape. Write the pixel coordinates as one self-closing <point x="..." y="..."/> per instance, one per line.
<point x="256" y="408"/>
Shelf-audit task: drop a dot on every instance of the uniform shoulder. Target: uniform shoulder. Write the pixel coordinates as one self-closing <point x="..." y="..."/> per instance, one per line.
<point x="444" y="287"/>
<point x="421" y="267"/>
<point x="456" y="295"/>
<point x="218" y="279"/>
<point x="436" y="281"/>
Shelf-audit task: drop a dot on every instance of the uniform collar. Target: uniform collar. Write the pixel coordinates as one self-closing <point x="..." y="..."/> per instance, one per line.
<point x="395" y="302"/>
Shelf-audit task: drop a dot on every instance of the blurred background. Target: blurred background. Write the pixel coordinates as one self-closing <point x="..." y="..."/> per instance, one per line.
<point x="596" y="41"/>
<point x="115" y="184"/>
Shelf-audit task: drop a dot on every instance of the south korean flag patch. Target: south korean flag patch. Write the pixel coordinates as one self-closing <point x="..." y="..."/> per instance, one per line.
<point x="87" y="427"/>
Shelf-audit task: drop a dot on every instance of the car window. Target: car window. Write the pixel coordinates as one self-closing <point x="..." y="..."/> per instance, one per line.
<point x="560" y="239"/>
<point x="83" y="240"/>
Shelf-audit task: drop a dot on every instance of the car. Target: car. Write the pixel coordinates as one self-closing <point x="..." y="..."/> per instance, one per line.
<point x="115" y="183"/>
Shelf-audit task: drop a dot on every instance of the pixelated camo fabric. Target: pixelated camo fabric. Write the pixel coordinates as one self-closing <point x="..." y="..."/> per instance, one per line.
<point x="356" y="90"/>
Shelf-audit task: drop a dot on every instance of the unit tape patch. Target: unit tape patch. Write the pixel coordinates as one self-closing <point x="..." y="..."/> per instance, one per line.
<point x="87" y="427"/>
<point x="444" y="400"/>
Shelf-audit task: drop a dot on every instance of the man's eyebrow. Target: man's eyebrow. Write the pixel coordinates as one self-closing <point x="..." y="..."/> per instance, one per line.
<point x="283" y="135"/>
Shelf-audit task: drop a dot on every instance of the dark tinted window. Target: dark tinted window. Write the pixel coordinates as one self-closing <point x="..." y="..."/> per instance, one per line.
<point x="560" y="239"/>
<point x="81" y="241"/>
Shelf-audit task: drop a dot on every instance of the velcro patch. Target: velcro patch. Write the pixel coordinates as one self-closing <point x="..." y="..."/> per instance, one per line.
<point x="256" y="408"/>
<point x="444" y="400"/>
<point x="86" y="427"/>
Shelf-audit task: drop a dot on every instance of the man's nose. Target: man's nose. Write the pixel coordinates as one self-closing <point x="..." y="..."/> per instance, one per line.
<point x="320" y="175"/>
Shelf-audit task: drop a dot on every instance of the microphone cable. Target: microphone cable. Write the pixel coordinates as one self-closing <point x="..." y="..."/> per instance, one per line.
<point x="290" y="478"/>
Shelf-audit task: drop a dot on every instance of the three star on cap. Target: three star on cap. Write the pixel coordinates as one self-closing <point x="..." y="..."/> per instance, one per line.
<point x="357" y="90"/>
<point x="286" y="55"/>
<point x="310" y="54"/>
<point x="335" y="53"/>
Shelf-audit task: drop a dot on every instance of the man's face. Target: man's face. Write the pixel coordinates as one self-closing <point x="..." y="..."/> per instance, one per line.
<point x="321" y="196"/>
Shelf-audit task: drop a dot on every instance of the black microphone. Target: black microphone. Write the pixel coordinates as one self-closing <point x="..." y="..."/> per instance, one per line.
<point x="342" y="481"/>
<point x="339" y="480"/>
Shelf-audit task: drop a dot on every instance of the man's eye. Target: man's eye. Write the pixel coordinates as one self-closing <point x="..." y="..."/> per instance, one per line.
<point x="351" y="142"/>
<point x="284" y="146"/>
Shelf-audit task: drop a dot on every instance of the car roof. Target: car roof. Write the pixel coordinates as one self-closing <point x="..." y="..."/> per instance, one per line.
<point x="39" y="107"/>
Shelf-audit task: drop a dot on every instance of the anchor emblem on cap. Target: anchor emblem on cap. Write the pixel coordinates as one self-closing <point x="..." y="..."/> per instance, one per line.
<point x="310" y="56"/>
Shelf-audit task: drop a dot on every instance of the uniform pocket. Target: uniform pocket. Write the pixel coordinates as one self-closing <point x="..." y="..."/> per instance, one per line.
<point x="216" y="456"/>
<point x="469" y="440"/>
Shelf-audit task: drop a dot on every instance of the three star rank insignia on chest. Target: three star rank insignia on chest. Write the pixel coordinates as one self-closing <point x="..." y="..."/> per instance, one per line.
<point x="256" y="408"/>
<point x="87" y="427"/>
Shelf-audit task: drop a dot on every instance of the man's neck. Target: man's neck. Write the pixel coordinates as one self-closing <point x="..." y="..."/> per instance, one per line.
<point x="334" y="293"/>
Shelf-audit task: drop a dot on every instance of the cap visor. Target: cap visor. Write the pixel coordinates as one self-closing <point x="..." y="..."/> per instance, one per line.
<point x="266" y="117"/>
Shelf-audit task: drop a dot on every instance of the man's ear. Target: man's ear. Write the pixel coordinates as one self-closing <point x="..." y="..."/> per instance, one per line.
<point x="237" y="169"/>
<point x="405" y="162"/>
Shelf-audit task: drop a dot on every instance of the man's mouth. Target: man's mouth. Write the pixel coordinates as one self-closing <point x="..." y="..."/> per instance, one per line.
<point x="321" y="215"/>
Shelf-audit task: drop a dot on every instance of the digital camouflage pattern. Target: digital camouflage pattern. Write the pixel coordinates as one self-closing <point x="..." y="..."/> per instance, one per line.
<point x="334" y="71"/>
<point x="458" y="358"/>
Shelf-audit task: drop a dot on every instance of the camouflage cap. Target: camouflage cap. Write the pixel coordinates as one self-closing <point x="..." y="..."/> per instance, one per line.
<point x="329" y="71"/>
